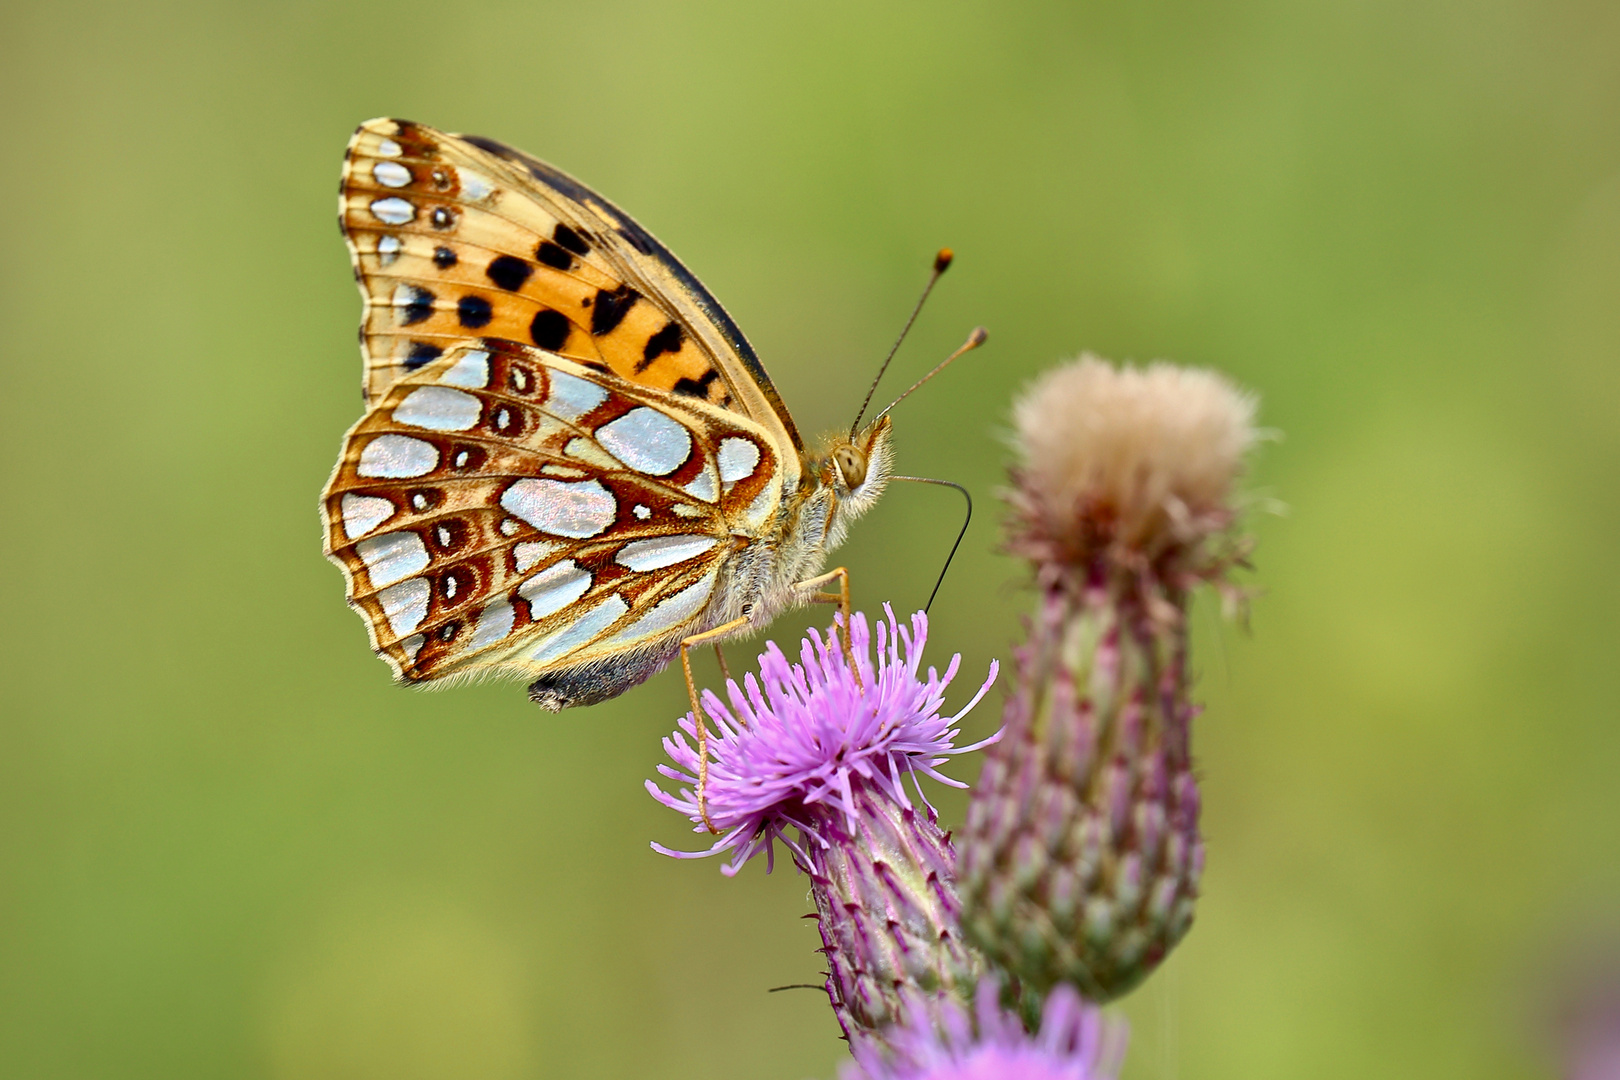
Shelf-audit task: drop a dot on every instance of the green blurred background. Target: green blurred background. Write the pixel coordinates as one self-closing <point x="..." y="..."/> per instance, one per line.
<point x="230" y="848"/>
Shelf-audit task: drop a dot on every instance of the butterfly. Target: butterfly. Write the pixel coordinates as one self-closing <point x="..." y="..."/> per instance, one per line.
<point x="572" y="466"/>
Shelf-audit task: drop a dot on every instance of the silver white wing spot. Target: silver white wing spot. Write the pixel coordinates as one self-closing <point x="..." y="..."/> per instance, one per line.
<point x="473" y="186"/>
<point x="576" y="510"/>
<point x="670" y="612"/>
<point x="528" y="554"/>
<point x="392" y="556"/>
<point x="703" y="486"/>
<point x="494" y="623"/>
<point x="392" y="210"/>
<point x="405" y="605"/>
<point x="571" y="397"/>
<point x="581" y="630"/>
<point x="662" y="551"/>
<point x="738" y="459"/>
<point x="362" y="513"/>
<point x="471" y="371"/>
<point x="647" y="441"/>
<point x="397" y="456"/>
<point x="391" y="174"/>
<point x="554" y="588"/>
<point x="438" y="408"/>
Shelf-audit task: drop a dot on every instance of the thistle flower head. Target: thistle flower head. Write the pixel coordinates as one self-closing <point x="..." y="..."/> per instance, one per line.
<point x="793" y="745"/>
<point x="1139" y="457"/>
<point x="1074" y="1043"/>
<point x="1081" y="855"/>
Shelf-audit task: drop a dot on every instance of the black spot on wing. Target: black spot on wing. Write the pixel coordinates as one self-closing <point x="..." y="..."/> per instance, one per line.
<point x="474" y="312"/>
<point x="647" y="244"/>
<point x="421" y="354"/>
<point x="509" y="272"/>
<point x="570" y="239"/>
<point x="553" y="256"/>
<point x="667" y="340"/>
<point x="696" y="387"/>
<point x="418" y="307"/>
<point x="444" y="258"/>
<point x="549" y="329"/>
<point x="611" y="308"/>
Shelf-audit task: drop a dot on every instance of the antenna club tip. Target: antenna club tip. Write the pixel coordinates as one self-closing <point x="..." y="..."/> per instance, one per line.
<point x="942" y="261"/>
<point x="979" y="336"/>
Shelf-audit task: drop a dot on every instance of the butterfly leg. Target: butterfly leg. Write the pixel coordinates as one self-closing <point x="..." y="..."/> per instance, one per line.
<point x="719" y="654"/>
<point x="697" y="709"/>
<point x="841" y="598"/>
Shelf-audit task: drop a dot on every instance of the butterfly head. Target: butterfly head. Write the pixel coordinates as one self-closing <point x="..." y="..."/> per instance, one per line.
<point x="856" y="469"/>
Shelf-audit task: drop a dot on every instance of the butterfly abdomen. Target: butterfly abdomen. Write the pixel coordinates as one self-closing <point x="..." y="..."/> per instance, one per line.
<point x="593" y="683"/>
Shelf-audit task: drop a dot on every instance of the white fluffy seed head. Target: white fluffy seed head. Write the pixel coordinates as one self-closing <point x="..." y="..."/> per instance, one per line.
<point x="1139" y="456"/>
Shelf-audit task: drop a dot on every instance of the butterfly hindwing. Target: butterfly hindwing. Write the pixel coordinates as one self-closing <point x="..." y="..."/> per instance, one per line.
<point x="502" y="509"/>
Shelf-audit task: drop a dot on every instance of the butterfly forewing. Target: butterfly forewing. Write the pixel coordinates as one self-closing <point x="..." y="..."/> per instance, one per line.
<point x="456" y="237"/>
<point x="505" y="509"/>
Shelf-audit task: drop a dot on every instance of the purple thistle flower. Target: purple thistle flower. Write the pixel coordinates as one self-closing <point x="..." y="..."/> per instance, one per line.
<point x="806" y="748"/>
<point x="1073" y="1043"/>
<point x="792" y="748"/>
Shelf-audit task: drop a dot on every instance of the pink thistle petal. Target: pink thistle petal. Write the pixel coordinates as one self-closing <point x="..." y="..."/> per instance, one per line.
<point x="788" y="747"/>
<point x="948" y="1043"/>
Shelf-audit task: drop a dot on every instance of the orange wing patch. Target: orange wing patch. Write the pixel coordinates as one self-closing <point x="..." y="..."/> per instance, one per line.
<point x="450" y="246"/>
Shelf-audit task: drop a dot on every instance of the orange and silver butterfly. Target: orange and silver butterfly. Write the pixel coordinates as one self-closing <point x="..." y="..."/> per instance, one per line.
<point x="572" y="467"/>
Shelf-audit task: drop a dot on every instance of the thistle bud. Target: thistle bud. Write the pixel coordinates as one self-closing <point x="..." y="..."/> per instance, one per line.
<point x="1081" y="855"/>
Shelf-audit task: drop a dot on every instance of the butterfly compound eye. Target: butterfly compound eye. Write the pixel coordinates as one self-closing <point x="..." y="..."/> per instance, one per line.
<point x="851" y="465"/>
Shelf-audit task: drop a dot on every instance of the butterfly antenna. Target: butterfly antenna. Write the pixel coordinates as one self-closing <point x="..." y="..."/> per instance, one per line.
<point x="979" y="336"/>
<point x="963" y="532"/>
<point x="942" y="263"/>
